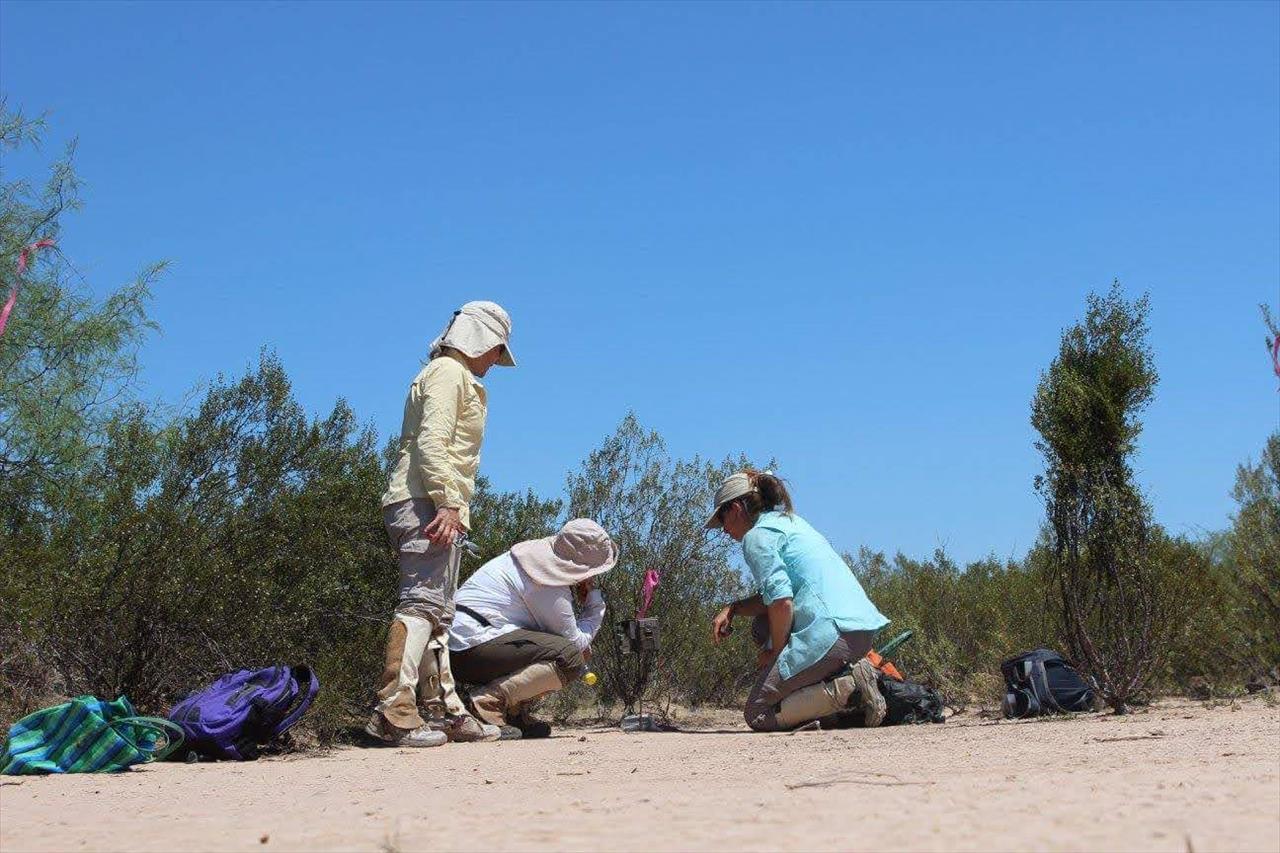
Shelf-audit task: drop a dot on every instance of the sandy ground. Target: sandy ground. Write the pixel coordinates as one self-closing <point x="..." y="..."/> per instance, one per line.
<point x="1179" y="776"/>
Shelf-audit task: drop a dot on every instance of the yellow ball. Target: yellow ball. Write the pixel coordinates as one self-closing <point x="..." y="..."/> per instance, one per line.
<point x="590" y="678"/>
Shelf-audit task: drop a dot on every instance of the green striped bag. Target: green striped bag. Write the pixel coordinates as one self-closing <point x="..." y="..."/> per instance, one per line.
<point x="86" y="735"/>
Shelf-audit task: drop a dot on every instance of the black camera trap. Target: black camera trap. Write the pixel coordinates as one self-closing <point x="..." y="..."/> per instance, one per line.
<point x="640" y="635"/>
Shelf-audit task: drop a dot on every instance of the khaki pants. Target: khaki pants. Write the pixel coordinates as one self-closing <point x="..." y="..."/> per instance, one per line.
<point x="771" y="688"/>
<point x="417" y="654"/>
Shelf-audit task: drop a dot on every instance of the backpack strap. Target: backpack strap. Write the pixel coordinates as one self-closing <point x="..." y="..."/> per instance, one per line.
<point x="479" y="618"/>
<point x="1040" y="686"/>
<point x="299" y="672"/>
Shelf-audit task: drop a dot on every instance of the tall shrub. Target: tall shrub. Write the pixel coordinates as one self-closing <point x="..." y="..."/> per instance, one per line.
<point x="654" y="507"/>
<point x="67" y="363"/>
<point x="1254" y="556"/>
<point x="1086" y="409"/>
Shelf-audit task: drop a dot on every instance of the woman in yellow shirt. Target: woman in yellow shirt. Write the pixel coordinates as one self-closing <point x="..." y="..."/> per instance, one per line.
<point x="426" y="512"/>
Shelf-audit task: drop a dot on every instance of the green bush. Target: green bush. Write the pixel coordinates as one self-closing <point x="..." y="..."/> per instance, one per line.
<point x="239" y="536"/>
<point x="654" y="508"/>
<point x="1253" y="558"/>
<point x="965" y="621"/>
<point x="1099" y="526"/>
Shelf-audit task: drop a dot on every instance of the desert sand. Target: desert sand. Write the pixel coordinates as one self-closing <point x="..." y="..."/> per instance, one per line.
<point x="1178" y="776"/>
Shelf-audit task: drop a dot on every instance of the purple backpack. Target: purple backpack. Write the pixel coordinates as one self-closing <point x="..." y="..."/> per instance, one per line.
<point x="239" y="712"/>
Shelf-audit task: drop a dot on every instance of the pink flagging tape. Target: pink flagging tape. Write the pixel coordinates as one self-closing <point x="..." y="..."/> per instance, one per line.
<point x="651" y="580"/>
<point x="24" y="257"/>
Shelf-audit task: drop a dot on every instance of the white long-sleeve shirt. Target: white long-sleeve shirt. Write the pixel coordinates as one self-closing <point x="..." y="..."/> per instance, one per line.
<point x="505" y="596"/>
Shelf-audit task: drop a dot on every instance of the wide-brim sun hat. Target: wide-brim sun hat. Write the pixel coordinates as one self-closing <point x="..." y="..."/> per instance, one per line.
<point x="736" y="486"/>
<point x="579" y="551"/>
<point x="476" y="328"/>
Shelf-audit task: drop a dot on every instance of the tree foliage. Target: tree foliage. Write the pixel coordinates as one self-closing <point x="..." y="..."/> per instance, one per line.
<point x="1086" y="410"/>
<point x="501" y="519"/>
<point x="66" y="357"/>
<point x="965" y="619"/>
<point x="240" y="535"/>
<point x="67" y="361"/>
<point x="654" y="508"/>
<point x="1254" y="554"/>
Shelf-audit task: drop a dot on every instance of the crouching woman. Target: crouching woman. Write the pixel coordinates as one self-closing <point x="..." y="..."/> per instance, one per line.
<point x="811" y="617"/>
<point x="516" y="632"/>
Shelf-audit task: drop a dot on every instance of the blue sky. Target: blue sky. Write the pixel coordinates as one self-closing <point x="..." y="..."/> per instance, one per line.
<point x="847" y="236"/>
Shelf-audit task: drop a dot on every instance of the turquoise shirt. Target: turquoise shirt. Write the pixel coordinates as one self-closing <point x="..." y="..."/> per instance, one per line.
<point x="789" y="559"/>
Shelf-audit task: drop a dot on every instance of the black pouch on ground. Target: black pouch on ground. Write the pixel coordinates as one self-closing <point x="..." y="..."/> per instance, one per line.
<point x="906" y="702"/>
<point x="1042" y="682"/>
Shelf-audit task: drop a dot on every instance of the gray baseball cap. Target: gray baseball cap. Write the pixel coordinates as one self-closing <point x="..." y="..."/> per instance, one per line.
<point x="735" y="487"/>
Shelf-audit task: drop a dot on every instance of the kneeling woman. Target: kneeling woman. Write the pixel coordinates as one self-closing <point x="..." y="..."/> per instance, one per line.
<point x="515" y="631"/>
<point x="811" y="616"/>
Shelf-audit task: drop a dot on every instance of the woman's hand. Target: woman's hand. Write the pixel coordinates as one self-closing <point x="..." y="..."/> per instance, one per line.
<point x="445" y="528"/>
<point x="722" y="624"/>
<point x="584" y="587"/>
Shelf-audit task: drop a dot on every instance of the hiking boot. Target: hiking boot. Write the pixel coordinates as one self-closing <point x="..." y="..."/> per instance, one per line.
<point x="464" y="729"/>
<point x="503" y="696"/>
<point x="385" y="734"/>
<point x="490" y="707"/>
<point x="868" y="697"/>
<point x="530" y="727"/>
<point x="509" y="733"/>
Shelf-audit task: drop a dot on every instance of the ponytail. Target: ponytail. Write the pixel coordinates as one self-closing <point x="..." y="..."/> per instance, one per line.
<point x="769" y="493"/>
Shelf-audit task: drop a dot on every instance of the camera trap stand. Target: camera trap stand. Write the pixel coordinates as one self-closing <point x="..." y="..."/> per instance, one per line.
<point x="641" y="637"/>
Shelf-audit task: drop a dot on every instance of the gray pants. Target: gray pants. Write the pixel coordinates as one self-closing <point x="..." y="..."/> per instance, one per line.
<point x="515" y="650"/>
<point x="428" y="572"/>
<point x="770" y="687"/>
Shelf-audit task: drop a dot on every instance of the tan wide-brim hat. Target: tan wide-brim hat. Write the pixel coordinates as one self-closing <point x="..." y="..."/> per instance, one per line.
<point x="476" y="328"/>
<point x="579" y="551"/>
<point x="738" y="485"/>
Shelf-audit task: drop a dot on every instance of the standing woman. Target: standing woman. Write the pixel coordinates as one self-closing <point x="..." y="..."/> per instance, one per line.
<point x="811" y="616"/>
<point x="426" y="510"/>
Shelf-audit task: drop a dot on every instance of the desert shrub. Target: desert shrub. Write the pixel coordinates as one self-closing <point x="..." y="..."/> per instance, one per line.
<point x="965" y="621"/>
<point x="968" y="620"/>
<point x="501" y="519"/>
<point x="67" y="364"/>
<point x="1086" y="411"/>
<point x="1202" y="616"/>
<point x="654" y="507"/>
<point x="1252" y="560"/>
<point x="1228" y="630"/>
<point x="241" y="535"/>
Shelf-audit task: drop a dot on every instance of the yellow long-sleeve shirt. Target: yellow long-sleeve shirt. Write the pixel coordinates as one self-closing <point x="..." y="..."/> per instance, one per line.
<point x="440" y="437"/>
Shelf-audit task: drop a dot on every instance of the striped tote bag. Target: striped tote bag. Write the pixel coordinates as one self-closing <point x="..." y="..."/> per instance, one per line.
<point x="86" y="735"/>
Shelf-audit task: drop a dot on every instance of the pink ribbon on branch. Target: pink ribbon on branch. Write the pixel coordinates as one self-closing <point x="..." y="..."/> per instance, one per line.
<point x="651" y="580"/>
<point x="27" y="253"/>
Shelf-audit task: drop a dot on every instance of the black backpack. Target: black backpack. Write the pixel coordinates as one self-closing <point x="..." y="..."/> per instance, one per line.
<point x="1042" y="682"/>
